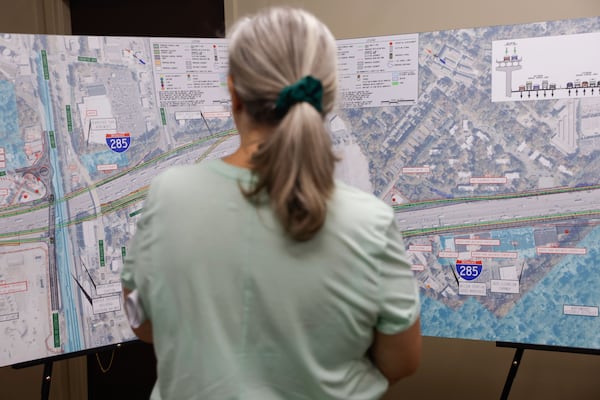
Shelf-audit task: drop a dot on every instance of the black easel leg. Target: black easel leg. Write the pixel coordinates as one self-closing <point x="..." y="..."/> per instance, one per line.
<point x="512" y="372"/>
<point x="46" y="380"/>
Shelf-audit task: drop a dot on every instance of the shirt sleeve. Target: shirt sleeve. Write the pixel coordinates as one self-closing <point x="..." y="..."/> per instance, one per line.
<point x="139" y="255"/>
<point x="399" y="293"/>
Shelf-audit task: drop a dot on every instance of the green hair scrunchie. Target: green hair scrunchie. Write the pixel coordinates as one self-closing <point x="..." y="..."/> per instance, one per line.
<point x="307" y="89"/>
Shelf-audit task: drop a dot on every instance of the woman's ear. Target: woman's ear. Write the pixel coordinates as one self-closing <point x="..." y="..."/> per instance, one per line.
<point x="236" y="104"/>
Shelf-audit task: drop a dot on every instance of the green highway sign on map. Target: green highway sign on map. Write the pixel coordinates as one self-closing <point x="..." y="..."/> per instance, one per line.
<point x="486" y="149"/>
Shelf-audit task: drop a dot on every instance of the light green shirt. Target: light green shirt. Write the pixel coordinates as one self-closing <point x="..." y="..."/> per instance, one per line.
<point x="239" y="311"/>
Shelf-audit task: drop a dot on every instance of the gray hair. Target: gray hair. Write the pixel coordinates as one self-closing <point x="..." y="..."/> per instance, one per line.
<point x="295" y="164"/>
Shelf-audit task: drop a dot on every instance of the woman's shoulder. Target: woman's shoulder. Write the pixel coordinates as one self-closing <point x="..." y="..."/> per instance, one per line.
<point x="174" y="176"/>
<point x="357" y="207"/>
<point x="205" y="172"/>
<point x="351" y="196"/>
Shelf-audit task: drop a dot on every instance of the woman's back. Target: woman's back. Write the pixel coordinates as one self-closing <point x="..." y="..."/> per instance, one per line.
<point x="240" y="311"/>
<point x="262" y="277"/>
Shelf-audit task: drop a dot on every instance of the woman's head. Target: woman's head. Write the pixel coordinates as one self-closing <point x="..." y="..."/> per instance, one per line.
<point x="274" y="49"/>
<point x="282" y="63"/>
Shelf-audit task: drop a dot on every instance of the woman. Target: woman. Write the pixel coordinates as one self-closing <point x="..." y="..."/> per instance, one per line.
<point x="261" y="276"/>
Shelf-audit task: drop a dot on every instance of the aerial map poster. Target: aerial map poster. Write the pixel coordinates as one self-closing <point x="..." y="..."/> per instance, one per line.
<point x="485" y="141"/>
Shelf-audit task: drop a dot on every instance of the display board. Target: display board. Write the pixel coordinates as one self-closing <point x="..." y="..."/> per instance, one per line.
<point x="485" y="142"/>
<point x="493" y="176"/>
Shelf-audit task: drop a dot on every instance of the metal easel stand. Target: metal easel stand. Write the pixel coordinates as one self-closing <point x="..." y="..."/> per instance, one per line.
<point x="46" y="380"/>
<point x="520" y="349"/>
<point x="512" y="372"/>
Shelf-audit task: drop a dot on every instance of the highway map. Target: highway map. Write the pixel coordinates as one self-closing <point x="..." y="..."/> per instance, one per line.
<point x="498" y="196"/>
<point x="85" y="124"/>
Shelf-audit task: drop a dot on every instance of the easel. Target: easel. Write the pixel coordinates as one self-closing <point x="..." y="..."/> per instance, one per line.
<point x="46" y="375"/>
<point x="46" y="378"/>
<point x="520" y="349"/>
<point x="48" y="363"/>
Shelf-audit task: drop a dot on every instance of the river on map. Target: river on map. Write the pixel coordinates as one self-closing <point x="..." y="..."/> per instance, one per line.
<point x="72" y="340"/>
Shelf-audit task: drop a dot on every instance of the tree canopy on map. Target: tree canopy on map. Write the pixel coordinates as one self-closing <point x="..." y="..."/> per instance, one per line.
<point x="485" y="141"/>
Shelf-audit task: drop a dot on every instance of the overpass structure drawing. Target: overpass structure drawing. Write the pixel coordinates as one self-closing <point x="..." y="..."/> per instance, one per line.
<point x="530" y="70"/>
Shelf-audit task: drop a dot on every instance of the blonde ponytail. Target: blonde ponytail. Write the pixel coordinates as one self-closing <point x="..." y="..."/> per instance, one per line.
<point x="295" y="166"/>
<point x="271" y="56"/>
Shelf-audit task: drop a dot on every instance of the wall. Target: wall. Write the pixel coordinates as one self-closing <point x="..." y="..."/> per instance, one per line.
<point x="451" y="369"/>
<point x="461" y="369"/>
<point x="180" y="18"/>
<point x="35" y="16"/>
<point x="68" y="376"/>
<point x="356" y="18"/>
